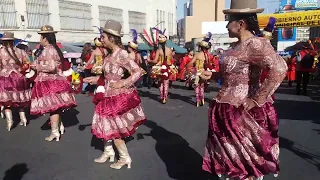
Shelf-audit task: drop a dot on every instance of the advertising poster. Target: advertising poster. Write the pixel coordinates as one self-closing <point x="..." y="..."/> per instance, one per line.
<point x="287" y="34"/>
<point x="290" y="5"/>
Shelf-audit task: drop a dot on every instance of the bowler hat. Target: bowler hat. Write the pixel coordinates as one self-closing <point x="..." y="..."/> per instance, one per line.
<point x="243" y="7"/>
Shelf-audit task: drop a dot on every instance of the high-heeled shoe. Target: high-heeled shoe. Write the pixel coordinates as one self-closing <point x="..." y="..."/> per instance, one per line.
<point x="2" y="114"/>
<point x="54" y="132"/>
<point x="61" y="128"/>
<point x="124" y="159"/>
<point x="8" y="114"/>
<point x="164" y="101"/>
<point x="198" y="104"/>
<point x="23" y="119"/>
<point x="108" y="153"/>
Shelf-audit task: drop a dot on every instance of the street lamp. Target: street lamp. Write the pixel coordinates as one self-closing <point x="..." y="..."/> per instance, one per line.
<point x="159" y="23"/>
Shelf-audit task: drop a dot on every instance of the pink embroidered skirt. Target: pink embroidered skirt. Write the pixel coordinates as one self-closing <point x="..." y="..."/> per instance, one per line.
<point x="117" y="116"/>
<point x="14" y="91"/>
<point x="242" y="144"/>
<point x="51" y="96"/>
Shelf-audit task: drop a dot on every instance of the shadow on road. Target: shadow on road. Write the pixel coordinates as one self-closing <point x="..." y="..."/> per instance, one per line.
<point x="298" y="110"/>
<point x="182" y="162"/>
<point x="308" y="156"/>
<point x="16" y="172"/>
<point x="69" y="119"/>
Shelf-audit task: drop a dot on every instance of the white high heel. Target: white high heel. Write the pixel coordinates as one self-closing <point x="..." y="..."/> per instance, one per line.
<point x="23" y="119"/>
<point x="108" y="153"/>
<point x="8" y="114"/>
<point x="124" y="159"/>
<point x="54" y="132"/>
<point x="2" y="114"/>
<point x="61" y="128"/>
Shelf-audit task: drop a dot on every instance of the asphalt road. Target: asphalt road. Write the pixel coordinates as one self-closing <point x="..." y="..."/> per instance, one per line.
<point x="169" y="146"/>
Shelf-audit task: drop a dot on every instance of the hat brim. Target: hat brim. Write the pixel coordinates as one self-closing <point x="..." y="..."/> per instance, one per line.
<point x="110" y="31"/>
<point x="47" y="32"/>
<point x="243" y="11"/>
<point x="133" y="45"/>
<point x="6" y="39"/>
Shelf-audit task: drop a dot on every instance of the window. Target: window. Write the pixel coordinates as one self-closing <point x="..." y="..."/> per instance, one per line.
<point x="170" y="24"/>
<point x="158" y="17"/>
<point x="137" y="21"/>
<point x="164" y="19"/>
<point x="160" y="25"/>
<point x="38" y="13"/>
<point x="75" y="16"/>
<point x="8" y="17"/>
<point x="107" y="13"/>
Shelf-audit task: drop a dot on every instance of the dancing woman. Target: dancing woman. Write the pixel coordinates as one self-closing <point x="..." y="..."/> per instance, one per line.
<point x="202" y="61"/>
<point x="119" y="112"/>
<point x="243" y="138"/>
<point x="51" y="93"/>
<point x="14" y="89"/>
<point x="163" y="69"/>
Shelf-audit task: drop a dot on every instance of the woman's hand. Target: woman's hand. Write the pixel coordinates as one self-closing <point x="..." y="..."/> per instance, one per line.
<point x="249" y="104"/>
<point x="206" y="75"/>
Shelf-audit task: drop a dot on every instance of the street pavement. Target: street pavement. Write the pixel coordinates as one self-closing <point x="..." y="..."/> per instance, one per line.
<point x="169" y="145"/>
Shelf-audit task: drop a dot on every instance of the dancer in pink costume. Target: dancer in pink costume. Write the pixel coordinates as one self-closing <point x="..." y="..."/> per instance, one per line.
<point x="118" y="112"/>
<point x="203" y="62"/>
<point x="14" y="89"/>
<point x="163" y="69"/>
<point x="52" y="92"/>
<point x="243" y="140"/>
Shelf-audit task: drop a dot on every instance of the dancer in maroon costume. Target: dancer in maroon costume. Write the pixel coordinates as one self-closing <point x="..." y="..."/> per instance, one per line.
<point x="243" y="139"/>
<point x="52" y="92"/>
<point x="118" y="112"/>
<point x="14" y="89"/>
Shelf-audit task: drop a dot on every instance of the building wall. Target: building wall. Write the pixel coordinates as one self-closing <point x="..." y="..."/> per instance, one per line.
<point x="78" y="31"/>
<point x="203" y="11"/>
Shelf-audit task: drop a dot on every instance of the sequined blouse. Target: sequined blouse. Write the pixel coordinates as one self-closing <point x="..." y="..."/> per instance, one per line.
<point x="48" y="65"/>
<point x="8" y="64"/>
<point x="241" y="68"/>
<point x="114" y="69"/>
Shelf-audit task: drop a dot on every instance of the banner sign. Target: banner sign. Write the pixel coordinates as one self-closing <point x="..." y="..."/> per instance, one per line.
<point x="292" y="19"/>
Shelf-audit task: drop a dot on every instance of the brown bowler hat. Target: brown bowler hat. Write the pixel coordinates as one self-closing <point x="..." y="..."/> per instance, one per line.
<point x="7" y="36"/>
<point x="46" y="29"/>
<point x="113" y="27"/>
<point x="243" y="7"/>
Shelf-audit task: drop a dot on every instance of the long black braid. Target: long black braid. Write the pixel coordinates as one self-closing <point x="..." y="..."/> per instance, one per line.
<point x="51" y="38"/>
<point x="10" y="45"/>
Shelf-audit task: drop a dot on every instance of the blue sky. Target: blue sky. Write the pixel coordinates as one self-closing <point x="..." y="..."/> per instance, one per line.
<point x="269" y="5"/>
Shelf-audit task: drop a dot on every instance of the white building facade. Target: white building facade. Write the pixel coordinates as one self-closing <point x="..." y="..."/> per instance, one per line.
<point x="75" y="19"/>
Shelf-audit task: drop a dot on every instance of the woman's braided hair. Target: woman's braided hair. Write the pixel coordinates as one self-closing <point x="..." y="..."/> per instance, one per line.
<point x="251" y="21"/>
<point x="51" y="38"/>
<point x="10" y="45"/>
